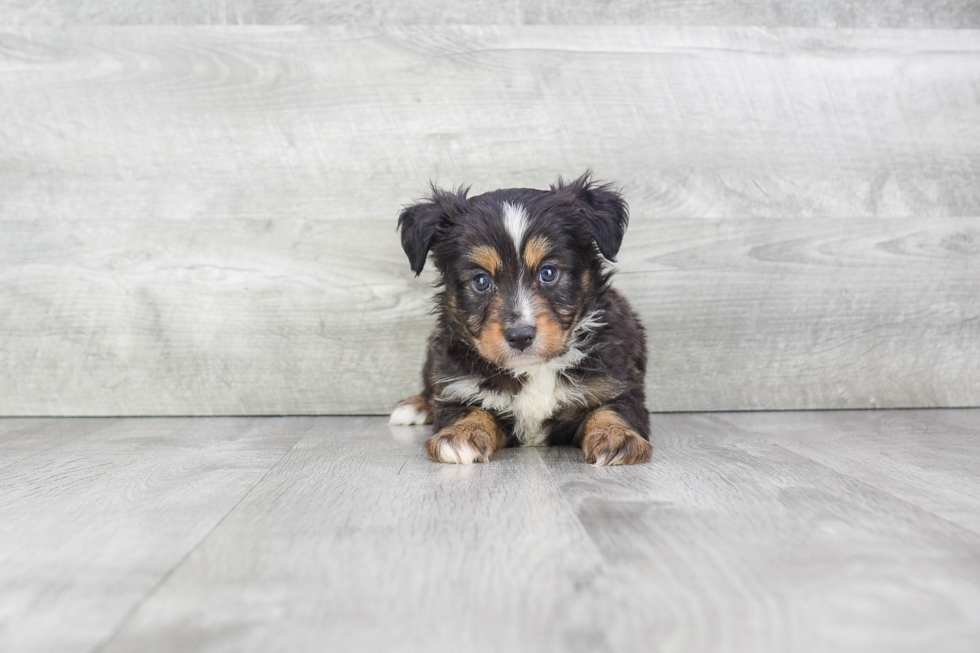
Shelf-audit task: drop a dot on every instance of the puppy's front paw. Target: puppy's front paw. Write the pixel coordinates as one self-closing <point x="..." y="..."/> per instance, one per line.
<point x="412" y="411"/>
<point x="470" y="440"/>
<point x="608" y="440"/>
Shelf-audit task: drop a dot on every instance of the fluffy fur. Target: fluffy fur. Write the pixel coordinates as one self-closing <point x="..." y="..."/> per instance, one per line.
<point x="532" y="346"/>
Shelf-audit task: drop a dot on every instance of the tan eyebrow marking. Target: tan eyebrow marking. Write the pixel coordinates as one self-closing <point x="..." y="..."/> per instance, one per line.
<point x="536" y="249"/>
<point x="487" y="258"/>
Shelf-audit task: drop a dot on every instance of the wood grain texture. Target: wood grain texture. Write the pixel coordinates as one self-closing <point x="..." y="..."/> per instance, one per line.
<point x="783" y="533"/>
<point x="95" y="513"/>
<point x="259" y="316"/>
<point x="774" y="551"/>
<point x="887" y="449"/>
<point x="201" y="220"/>
<point x="762" y="313"/>
<point x="443" y="579"/>
<point x="356" y="119"/>
<point x="819" y="13"/>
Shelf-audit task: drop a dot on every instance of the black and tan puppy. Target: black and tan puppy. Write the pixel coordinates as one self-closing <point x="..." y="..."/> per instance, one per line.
<point x="532" y="345"/>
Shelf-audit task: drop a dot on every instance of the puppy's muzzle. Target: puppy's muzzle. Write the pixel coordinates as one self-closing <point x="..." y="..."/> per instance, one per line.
<point x="521" y="337"/>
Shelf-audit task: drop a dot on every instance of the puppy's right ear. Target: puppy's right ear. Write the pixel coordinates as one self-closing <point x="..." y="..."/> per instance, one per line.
<point x="422" y="224"/>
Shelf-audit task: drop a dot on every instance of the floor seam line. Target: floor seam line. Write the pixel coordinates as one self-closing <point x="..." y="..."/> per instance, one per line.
<point x="98" y="648"/>
<point x="850" y="476"/>
<point x="875" y="488"/>
<point x="572" y="509"/>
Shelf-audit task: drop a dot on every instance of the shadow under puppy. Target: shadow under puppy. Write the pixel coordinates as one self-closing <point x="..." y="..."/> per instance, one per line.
<point x="532" y="346"/>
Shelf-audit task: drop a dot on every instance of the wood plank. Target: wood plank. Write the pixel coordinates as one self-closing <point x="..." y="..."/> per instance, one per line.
<point x="826" y="122"/>
<point x="735" y="543"/>
<point x="823" y="13"/>
<point x="19" y="437"/>
<point x="200" y="221"/>
<point x="894" y="451"/>
<point x="285" y="317"/>
<point x="356" y="542"/>
<point x="776" y="314"/>
<point x="101" y="510"/>
<point x="136" y="12"/>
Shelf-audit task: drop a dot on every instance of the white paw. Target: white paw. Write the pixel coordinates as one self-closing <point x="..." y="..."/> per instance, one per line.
<point x="408" y="415"/>
<point x="461" y="453"/>
<point x="462" y="444"/>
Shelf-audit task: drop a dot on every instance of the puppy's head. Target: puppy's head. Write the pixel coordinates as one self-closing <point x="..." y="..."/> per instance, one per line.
<point x="519" y="267"/>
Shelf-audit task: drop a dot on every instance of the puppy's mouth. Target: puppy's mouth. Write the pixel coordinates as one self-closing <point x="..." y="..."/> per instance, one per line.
<point x="518" y="360"/>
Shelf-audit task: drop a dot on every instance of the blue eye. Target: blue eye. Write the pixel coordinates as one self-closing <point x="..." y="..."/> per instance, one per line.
<point x="481" y="282"/>
<point x="548" y="274"/>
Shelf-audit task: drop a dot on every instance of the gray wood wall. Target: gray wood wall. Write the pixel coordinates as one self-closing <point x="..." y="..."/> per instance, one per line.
<point x="199" y="218"/>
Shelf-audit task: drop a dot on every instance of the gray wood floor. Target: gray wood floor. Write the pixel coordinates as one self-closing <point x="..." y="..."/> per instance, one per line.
<point x="844" y="531"/>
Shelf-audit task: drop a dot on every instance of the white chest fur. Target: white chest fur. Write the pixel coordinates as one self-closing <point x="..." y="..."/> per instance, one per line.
<point x="545" y="388"/>
<point x="538" y="400"/>
<point x="543" y="392"/>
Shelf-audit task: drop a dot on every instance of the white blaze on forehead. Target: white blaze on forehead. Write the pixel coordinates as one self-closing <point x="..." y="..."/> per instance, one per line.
<point x="515" y="221"/>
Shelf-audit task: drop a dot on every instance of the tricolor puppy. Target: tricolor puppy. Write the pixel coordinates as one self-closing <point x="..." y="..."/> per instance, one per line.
<point x="532" y="345"/>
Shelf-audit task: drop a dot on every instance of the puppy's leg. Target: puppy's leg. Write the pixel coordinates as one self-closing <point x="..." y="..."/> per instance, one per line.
<point x="609" y="438"/>
<point x="418" y="409"/>
<point x="472" y="436"/>
<point x="412" y="411"/>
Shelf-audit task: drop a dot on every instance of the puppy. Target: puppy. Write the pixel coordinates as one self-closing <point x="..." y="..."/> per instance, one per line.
<point x="532" y="346"/>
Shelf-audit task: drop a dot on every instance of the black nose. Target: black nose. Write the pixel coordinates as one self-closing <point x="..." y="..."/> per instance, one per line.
<point x="520" y="337"/>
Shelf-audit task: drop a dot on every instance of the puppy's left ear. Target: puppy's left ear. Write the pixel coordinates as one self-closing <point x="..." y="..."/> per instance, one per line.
<point x="421" y="224"/>
<point x="601" y="207"/>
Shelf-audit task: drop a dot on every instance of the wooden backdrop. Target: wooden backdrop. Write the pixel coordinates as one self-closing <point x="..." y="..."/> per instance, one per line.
<point x="199" y="218"/>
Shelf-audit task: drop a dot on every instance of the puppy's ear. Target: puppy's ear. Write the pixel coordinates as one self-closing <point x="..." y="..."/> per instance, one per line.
<point x="422" y="224"/>
<point x="601" y="207"/>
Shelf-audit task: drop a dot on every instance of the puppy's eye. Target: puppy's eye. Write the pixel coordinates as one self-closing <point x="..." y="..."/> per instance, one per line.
<point x="548" y="274"/>
<point x="482" y="282"/>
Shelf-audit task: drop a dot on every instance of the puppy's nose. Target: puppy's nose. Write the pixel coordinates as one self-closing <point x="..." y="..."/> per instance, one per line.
<point x="520" y="337"/>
